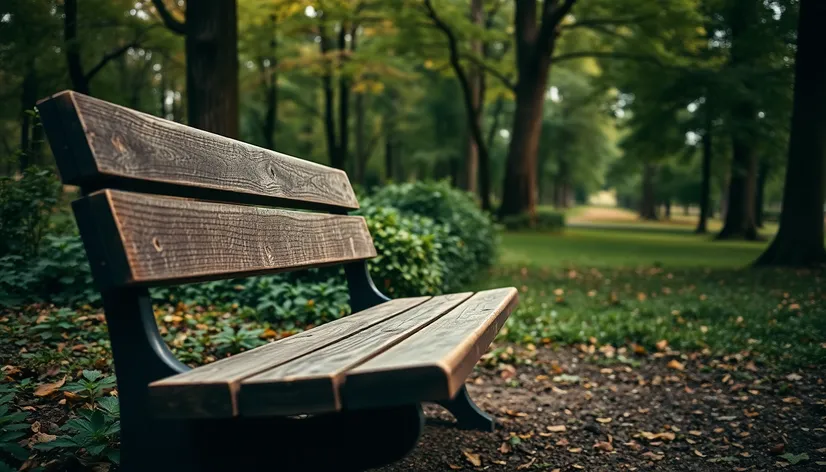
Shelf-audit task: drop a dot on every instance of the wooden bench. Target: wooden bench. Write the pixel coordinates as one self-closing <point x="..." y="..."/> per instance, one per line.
<point x="167" y="204"/>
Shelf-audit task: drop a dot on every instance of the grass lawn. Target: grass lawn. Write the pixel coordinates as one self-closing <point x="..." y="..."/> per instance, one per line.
<point x="641" y="287"/>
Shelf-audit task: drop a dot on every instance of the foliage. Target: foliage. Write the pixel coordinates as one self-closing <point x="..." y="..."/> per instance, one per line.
<point x="26" y="205"/>
<point x="232" y="341"/>
<point x="411" y="249"/>
<point x="547" y="219"/>
<point x="91" y="385"/>
<point x="474" y="249"/>
<point x="13" y="426"/>
<point x="59" y="274"/>
<point x="93" y="435"/>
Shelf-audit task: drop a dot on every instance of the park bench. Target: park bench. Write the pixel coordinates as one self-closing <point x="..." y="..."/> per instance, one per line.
<point x="163" y="203"/>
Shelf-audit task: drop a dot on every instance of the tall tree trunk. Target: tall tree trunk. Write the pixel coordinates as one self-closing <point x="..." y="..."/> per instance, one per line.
<point x="519" y="188"/>
<point x="739" y="222"/>
<point x="343" y="101"/>
<point x="360" y="158"/>
<point x="535" y="44"/>
<point x="759" y="198"/>
<point x="212" y="66"/>
<point x="475" y="77"/>
<point x="648" y="203"/>
<point x="76" y="74"/>
<point x="705" y="185"/>
<point x="799" y="241"/>
<point x="271" y="81"/>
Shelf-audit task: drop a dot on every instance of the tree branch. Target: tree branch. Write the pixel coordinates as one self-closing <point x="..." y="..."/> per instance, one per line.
<point x="114" y="54"/>
<point x="552" y="16"/>
<point x="175" y="25"/>
<point x="506" y="81"/>
<point x="601" y="22"/>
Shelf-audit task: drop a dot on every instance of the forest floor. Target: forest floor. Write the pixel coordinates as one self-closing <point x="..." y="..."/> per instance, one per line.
<point x="631" y="349"/>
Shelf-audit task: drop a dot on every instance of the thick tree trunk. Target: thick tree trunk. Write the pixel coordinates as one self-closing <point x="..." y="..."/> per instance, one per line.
<point x="799" y="240"/>
<point x="739" y="222"/>
<point x="667" y="206"/>
<point x="212" y="66"/>
<point x="648" y="204"/>
<point x="519" y="189"/>
<point x="705" y="185"/>
<point x="360" y="161"/>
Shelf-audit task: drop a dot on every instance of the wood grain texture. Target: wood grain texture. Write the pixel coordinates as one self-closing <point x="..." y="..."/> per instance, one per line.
<point x="432" y="364"/>
<point x="98" y="144"/>
<point x="310" y="384"/>
<point x="169" y="239"/>
<point x="211" y="390"/>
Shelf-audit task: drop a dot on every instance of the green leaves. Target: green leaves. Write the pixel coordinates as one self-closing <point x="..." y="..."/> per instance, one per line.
<point x="94" y="433"/>
<point x="91" y="385"/>
<point x="13" y="427"/>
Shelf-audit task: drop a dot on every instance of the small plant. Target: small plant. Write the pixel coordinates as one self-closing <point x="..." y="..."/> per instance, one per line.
<point x="91" y="385"/>
<point x="95" y="432"/>
<point x="54" y="324"/>
<point x="13" y="427"/>
<point x="230" y="341"/>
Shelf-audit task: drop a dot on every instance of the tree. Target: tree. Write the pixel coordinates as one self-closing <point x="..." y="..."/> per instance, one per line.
<point x="799" y="241"/>
<point x="536" y="31"/>
<point x="211" y="42"/>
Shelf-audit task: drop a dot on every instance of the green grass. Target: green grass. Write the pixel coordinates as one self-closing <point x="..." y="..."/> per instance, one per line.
<point x="628" y="286"/>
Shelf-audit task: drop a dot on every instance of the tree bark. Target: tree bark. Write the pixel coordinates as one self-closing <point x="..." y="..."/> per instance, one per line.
<point x="27" y="104"/>
<point x="799" y="241"/>
<point x="739" y="222"/>
<point x="648" y="204"/>
<point x="212" y="66"/>
<point x="705" y="185"/>
<point x="76" y="74"/>
<point x="535" y="43"/>
<point x="475" y="77"/>
<point x="360" y="161"/>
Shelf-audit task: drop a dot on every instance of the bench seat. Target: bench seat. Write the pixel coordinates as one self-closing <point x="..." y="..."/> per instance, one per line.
<point x="403" y="351"/>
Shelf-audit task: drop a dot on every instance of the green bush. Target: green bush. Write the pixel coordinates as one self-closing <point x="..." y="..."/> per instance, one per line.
<point x="546" y="220"/>
<point x="26" y="205"/>
<point x="473" y="248"/>
<point x="410" y="250"/>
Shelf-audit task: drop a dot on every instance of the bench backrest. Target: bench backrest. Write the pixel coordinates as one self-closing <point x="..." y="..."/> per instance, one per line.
<point x="166" y="203"/>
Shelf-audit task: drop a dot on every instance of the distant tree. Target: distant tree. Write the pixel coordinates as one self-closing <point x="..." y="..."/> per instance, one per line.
<point x="799" y="241"/>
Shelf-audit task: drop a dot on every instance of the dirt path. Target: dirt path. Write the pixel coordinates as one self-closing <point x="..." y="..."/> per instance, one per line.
<point x="571" y="410"/>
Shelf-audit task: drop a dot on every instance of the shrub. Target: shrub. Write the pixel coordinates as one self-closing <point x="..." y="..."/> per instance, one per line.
<point x="410" y="250"/>
<point x="26" y="204"/>
<point x="546" y="220"/>
<point x="473" y="248"/>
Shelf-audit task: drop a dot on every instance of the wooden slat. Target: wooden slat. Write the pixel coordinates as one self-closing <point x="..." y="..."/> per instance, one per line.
<point x="433" y="363"/>
<point x="211" y="390"/>
<point x="310" y="384"/>
<point x="98" y="144"/>
<point x="168" y="239"/>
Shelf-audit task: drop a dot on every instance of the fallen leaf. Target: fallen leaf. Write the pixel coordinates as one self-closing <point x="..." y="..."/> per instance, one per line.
<point x="455" y="467"/>
<point x="603" y="420"/>
<point x="778" y="448"/>
<point x="676" y="365"/>
<point x="667" y="435"/>
<point x="794" y="400"/>
<point x="795" y="459"/>
<point x="575" y="450"/>
<point x="698" y="453"/>
<point x="44" y="390"/>
<point x="662" y="345"/>
<point x="473" y="458"/>
<point x="604" y="446"/>
<point x="793" y="377"/>
<point x="505" y="448"/>
<point x="557" y="429"/>
<point x="526" y="465"/>
<point x="653" y="456"/>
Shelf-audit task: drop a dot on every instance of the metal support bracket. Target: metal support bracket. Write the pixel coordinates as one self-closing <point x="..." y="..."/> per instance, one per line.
<point x="467" y="413"/>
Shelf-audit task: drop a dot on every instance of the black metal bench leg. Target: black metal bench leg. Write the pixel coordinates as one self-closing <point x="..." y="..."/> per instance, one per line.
<point x="467" y="413"/>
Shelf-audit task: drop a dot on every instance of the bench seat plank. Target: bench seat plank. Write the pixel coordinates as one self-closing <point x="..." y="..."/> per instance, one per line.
<point x="210" y="390"/>
<point x="433" y="363"/>
<point x="310" y="384"/>
<point x="99" y="144"/>
<point x="168" y="239"/>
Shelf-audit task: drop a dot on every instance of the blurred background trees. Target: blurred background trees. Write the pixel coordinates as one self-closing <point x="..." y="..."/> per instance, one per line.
<point x="678" y="106"/>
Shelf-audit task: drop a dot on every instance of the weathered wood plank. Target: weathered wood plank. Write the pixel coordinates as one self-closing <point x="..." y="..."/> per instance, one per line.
<point x="433" y="363"/>
<point x="211" y="390"/>
<point x="310" y="384"/>
<point x="99" y="144"/>
<point x="167" y="239"/>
